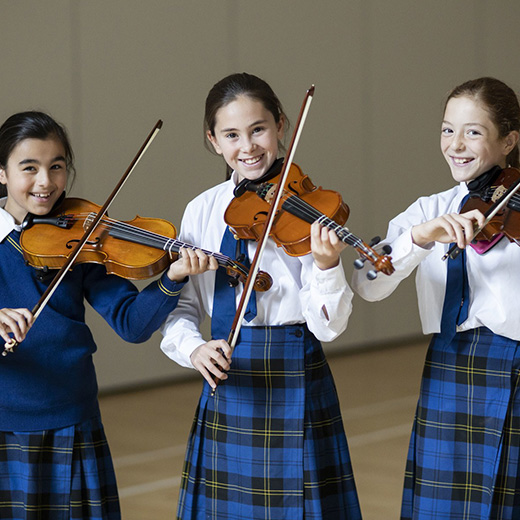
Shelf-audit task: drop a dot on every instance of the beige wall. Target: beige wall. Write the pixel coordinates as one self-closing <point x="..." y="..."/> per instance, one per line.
<point x="108" y="69"/>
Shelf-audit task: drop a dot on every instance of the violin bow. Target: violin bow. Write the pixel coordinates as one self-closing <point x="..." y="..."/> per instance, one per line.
<point x="253" y="270"/>
<point x="46" y="296"/>
<point x="455" y="250"/>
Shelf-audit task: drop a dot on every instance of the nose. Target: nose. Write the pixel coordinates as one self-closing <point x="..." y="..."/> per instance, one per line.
<point x="43" y="178"/>
<point x="248" y="145"/>
<point x="457" y="143"/>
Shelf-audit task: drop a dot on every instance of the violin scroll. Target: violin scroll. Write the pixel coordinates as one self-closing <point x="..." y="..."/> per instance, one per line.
<point x="382" y="263"/>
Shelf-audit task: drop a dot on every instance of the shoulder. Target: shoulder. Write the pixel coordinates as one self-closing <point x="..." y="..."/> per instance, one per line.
<point x="217" y="195"/>
<point x="6" y="223"/>
<point x="204" y="215"/>
<point x="432" y="206"/>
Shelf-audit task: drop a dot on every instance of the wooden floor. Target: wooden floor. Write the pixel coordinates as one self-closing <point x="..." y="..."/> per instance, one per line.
<point x="148" y="429"/>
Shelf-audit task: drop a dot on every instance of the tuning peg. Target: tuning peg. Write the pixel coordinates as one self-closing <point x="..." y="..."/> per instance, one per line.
<point x="372" y="275"/>
<point x="232" y="282"/>
<point x="386" y="249"/>
<point x="359" y="263"/>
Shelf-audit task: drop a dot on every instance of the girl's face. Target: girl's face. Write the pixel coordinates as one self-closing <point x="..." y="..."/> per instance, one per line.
<point x="35" y="176"/>
<point x="247" y="136"/>
<point x="469" y="139"/>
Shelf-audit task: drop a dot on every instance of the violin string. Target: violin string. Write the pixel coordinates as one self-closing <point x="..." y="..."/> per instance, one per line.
<point x="160" y="241"/>
<point x="167" y="243"/>
<point x="313" y="214"/>
<point x="343" y="233"/>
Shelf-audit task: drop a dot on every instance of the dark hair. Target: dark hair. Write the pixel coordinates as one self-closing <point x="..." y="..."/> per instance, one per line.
<point x="501" y="103"/>
<point x="228" y="89"/>
<point x="32" y="125"/>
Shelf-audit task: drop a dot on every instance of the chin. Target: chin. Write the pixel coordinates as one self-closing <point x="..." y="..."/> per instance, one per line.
<point x="251" y="176"/>
<point x="464" y="176"/>
<point x="41" y="210"/>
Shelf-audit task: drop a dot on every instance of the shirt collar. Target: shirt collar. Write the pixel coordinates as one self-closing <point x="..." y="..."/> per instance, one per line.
<point x="7" y="223"/>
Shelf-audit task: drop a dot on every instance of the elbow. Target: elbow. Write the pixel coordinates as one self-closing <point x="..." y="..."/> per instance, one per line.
<point x="367" y="296"/>
<point x="134" y="337"/>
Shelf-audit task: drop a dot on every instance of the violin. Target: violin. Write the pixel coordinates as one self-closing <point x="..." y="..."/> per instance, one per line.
<point x="136" y="249"/>
<point x="507" y="220"/>
<point x="494" y="193"/>
<point x="303" y="203"/>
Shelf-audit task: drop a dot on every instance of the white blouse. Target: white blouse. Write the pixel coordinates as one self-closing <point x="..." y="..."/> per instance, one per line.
<point x="494" y="277"/>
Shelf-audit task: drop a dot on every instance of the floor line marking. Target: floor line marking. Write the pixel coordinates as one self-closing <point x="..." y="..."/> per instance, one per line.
<point x="354" y="441"/>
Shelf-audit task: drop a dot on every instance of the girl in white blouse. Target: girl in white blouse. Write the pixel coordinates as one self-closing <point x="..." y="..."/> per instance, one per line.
<point x="270" y="442"/>
<point x="464" y="452"/>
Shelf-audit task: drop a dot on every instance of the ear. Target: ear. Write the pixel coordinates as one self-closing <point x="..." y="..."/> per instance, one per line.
<point x="213" y="141"/>
<point x="3" y="176"/>
<point x="280" y="127"/>
<point x="511" y="140"/>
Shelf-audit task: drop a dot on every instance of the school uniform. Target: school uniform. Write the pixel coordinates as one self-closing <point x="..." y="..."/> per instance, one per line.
<point x="270" y="443"/>
<point x="463" y="460"/>
<point x="54" y="459"/>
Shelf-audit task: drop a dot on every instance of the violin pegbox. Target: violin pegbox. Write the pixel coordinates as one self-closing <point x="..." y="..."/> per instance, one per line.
<point x="382" y="263"/>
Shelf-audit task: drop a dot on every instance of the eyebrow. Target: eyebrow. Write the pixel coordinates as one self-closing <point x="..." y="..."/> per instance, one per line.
<point x="29" y="161"/>
<point x="259" y="122"/>
<point x="466" y="124"/>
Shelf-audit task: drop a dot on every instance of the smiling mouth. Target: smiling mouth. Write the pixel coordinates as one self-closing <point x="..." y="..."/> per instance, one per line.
<point x="252" y="161"/>
<point x="41" y="196"/>
<point x="461" y="161"/>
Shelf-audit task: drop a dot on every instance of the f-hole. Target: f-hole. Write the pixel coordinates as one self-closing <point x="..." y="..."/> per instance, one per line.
<point x="71" y="243"/>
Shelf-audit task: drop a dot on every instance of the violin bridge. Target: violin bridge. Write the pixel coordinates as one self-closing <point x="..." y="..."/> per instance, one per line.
<point x="88" y="221"/>
<point x="498" y="193"/>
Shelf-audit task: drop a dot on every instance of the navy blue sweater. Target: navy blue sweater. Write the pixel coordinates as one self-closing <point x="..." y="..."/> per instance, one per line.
<point x="49" y="381"/>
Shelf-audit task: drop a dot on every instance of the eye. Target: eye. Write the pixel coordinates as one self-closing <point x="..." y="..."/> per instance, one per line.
<point x="29" y="168"/>
<point x="57" y="166"/>
<point x="446" y="131"/>
<point x="258" y="129"/>
<point x="231" y="135"/>
<point x="473" y="133"/>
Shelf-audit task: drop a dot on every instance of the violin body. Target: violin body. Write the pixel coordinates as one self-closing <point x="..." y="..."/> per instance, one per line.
<point x="507" y="220"/>
<point x="49" y="245"/>
<point x="246" y="215"/>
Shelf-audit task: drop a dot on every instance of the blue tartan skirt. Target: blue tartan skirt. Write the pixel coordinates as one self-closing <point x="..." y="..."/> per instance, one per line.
<point x="58" y="475"/>
<point x="464" y="460"/>
<point x="270" y="442"/>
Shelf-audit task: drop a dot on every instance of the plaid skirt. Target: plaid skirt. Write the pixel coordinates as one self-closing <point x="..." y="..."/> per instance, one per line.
<point x="58" y="475"/>
<point x="463" y="462"/>
<point x="270" y="443"/>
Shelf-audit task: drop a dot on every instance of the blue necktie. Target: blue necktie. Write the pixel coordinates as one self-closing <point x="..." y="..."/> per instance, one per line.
<point x="456" y="299"/>
<point x="224" y="306"/>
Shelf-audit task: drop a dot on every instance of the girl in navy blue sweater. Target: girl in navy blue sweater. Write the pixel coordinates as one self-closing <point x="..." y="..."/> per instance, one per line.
<point x="54" y="458"/>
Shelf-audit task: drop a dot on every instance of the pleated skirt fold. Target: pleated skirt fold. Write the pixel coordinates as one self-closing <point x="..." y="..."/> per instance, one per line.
<point x="58" y="475"/>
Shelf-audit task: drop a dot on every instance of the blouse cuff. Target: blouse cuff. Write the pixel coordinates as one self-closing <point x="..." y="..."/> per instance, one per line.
<point x="182" y="355"/>
<point x="406" y="251"/>
<point x="330" y="280"/>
